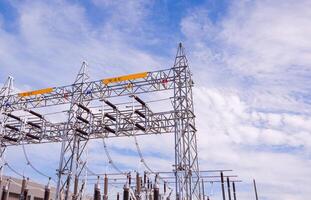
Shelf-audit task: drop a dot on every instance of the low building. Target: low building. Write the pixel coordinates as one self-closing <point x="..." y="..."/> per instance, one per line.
<point x="34" y="191"/>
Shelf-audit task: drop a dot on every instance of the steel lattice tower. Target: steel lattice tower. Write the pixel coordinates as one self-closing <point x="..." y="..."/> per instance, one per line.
<point x="5" y="91"/>
<point x="186" y="154"/>
<point x="84" y="123"/>
<point x="75" y="140"/>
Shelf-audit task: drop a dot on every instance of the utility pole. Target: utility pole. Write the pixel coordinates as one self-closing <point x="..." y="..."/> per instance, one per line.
<point x="222" y="185"/>
<point x="234" y="193"/>
<point x="228" y="185"/>
<point x="255" y="188"/>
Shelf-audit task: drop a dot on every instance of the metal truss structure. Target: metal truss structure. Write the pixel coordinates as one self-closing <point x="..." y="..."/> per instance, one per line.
<point x="84" y="123"/>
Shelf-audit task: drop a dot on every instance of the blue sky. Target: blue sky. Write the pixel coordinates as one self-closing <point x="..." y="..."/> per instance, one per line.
<point x="250" y="60"/>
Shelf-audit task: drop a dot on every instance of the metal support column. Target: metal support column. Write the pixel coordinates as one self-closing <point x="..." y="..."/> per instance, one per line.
<point x="76" y="137"/>
<point x="228" y="186"/>
<point x="255" y="189"/>
<point x="222" y="185"/>
<point x="5" y="91"/>
<point x="186" y="154"/>
<point x="233" y="188"/>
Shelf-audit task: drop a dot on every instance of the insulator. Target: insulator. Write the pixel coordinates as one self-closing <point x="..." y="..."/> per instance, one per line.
<point x="13" y="116"/>
<point x="5" y="192"/>
<point x="106" y="187"/>
<point x="110" y="116"/>
<point x="164" y="187"/>
<point x="138" y="183"/>
<point x="81" y="131"/>
<point x="25" y="195"/>
<point x="109" y="129"/>
<point x="36" y="114"/>
<point x="84" y="107"/>
<point x="23" y="189"/>
<point x="140" y="127"/>
<point x="47" y="192"/>
<point x="110" y="104"/>
<point x="130" y="179"/>
<point x="145" y="178"/>
<point x="34" y="125"/>
<point x="97" y="195"/>
<point x="125" y="193"/>
<point x="9" y="138"/>
<point x="156" y="192"/>
<point x="118" y="196"/>
<point x="148" y="183"/>
<point x="32" y="136"/>
<point x="139" y="100"/>
<point x="11" y="127"/>
<point x="140" y="114"/>
<point x="83" y="120"/>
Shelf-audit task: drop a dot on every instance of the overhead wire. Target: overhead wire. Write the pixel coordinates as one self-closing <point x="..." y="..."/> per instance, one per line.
<point x="111" y="162"/>
<point x="33" y="167"/>
<point x="12" y="169"/>
<point x="139" y="149"/>
<point x="110" y="159"/>
<point x="30" y="163"/>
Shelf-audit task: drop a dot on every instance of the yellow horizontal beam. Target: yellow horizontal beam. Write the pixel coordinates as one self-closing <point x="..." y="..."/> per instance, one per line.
<point x="35" y="92"/>
<point x="125" y="78"/>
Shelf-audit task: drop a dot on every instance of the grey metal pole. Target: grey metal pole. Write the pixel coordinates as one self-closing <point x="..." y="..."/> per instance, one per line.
<point x="75" y="186"/>
<point x="255" y="188"/>
<point x="229" y="191"/>
<point x="203" y="189"/>
<point x="222" y="185"/>
<point x="234" y="193"/>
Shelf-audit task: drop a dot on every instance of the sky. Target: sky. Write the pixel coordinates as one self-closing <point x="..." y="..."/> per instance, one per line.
<point x="251" y="66"/>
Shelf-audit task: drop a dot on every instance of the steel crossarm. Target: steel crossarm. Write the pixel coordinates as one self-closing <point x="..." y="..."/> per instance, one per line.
<point x="154" y="81"/>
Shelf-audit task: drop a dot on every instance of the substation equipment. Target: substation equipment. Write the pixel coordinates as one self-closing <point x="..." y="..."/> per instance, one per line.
<point x="84" y="124"/>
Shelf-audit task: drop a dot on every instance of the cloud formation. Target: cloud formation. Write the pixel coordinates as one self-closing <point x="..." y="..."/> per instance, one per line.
<point x="251" y="67"/>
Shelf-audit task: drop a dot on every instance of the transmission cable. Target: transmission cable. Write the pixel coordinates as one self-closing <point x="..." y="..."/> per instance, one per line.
<point x="139" y="149"/>
<point x="33" y="167"/>
<point x="12" y="169"/>
<point x="30" y="164"/>
<point x="110" y="159"/>
<point x="105" y="146"/>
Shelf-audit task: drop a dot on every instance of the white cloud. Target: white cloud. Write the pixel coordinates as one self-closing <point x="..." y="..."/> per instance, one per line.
<point x="252" y="69"/>
<point x="53" y="39"/>
<point x="233" y="135"/>
<point x="261" y="47"/>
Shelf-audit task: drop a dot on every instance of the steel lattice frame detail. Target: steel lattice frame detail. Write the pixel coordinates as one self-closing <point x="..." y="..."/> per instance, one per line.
<point x="84" y="123"/>
<point x="75" y="138"/>
<point x="186" y="155"/>
<point x="4" y="94"/>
